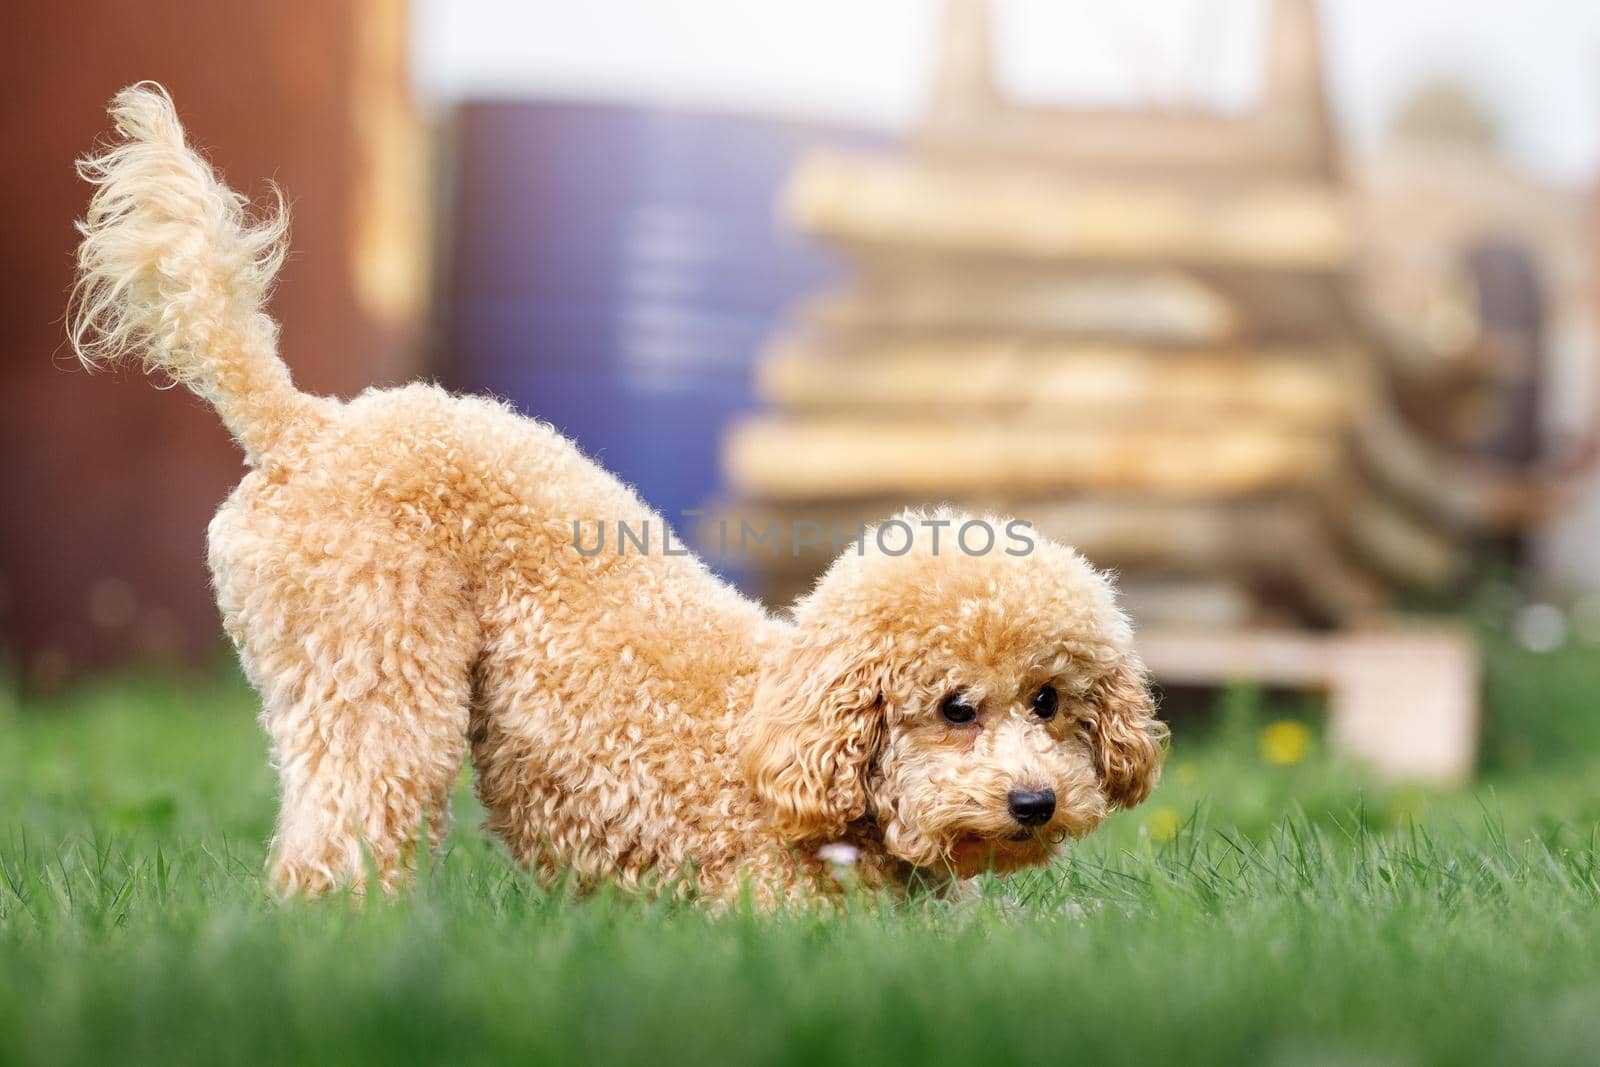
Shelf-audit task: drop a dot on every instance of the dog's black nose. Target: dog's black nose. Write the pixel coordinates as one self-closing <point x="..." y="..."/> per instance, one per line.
<point x="1032" y="807"/>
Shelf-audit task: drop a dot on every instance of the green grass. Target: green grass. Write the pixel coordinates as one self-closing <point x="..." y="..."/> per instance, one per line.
<point x="1273" y="913"/>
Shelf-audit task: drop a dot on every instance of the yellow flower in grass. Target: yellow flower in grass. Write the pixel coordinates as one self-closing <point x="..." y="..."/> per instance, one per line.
<point x="1285" y="742"/>
<point x="1163" y="824"/>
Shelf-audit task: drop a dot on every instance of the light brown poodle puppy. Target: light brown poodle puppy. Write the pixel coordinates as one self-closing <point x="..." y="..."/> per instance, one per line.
<point x="401" y="577"/>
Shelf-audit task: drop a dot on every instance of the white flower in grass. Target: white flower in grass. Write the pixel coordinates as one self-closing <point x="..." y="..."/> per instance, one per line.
<point x="839" y="854"/>
<point x="1540" y="627"/>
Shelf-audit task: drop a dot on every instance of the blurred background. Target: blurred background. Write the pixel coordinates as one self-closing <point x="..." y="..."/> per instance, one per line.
<point x="1285" y="310"/>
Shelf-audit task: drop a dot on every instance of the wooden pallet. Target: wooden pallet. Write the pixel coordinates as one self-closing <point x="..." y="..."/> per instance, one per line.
<point x="1403" y="700"/>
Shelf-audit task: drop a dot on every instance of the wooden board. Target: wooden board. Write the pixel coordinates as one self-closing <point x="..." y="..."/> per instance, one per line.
<point x="1401" y="698"/>
<point x="914" y="295"/>
<point x="779" y="458"/>
<point x="998" y="210"/>
<point x="1287" y="130"/>
<point x="1398" y="544"/>
<point x="1053" y="381"/>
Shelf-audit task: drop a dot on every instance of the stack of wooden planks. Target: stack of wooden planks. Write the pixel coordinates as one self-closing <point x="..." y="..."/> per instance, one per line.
<point x="1135" y="331"/>
<point x="1142" y="360"/>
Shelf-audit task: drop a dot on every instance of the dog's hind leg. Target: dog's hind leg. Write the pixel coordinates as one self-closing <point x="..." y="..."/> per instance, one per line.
<point x="360" y="778"/>
<point x="365" y="676"/>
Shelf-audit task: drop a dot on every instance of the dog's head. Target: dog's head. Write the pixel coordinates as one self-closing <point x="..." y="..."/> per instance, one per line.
<point x="980" y="708"/>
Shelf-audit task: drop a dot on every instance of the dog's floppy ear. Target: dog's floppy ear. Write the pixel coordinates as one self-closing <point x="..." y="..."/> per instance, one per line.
<point x="814" y="727"/>
<point x="1127" y="735"/>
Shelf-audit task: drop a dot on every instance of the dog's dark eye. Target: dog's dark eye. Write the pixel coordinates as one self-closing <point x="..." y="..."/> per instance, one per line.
<point x="956" y="710"/>
<point x="1045" y="702"/>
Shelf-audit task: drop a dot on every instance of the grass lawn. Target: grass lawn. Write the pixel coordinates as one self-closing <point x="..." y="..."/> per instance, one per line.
<point x="1286" y="913"/>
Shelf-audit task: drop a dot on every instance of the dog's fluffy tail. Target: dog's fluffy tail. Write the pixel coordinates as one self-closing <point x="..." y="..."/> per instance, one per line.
<point x="172" y="268"/>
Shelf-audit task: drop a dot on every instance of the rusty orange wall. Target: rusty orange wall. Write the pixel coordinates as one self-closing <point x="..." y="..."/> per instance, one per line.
<point x="106" y="484"/>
